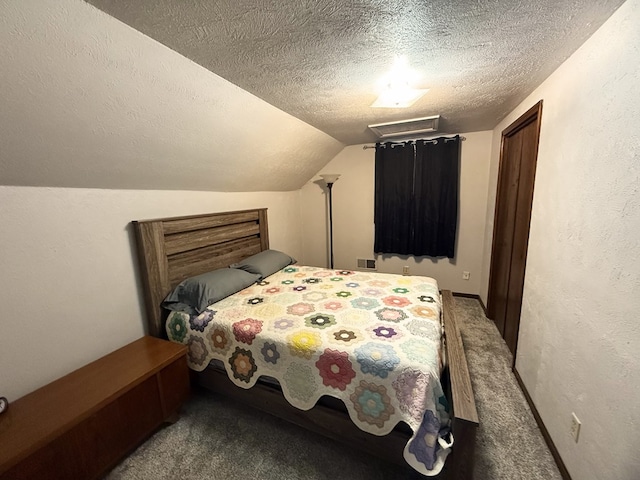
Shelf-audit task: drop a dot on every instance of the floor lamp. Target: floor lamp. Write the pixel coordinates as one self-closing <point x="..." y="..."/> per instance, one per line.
<point x="330" y="179"/>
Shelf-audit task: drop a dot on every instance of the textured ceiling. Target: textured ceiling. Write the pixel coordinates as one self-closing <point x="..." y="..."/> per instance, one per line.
<point x="86" y="101"/>
<point x="319" y="60"/>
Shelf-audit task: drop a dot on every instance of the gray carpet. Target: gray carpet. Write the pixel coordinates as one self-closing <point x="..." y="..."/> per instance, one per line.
<point x="221" y="441"/>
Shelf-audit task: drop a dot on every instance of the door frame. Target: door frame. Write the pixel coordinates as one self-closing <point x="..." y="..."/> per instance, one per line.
<point x="534" y="114"/>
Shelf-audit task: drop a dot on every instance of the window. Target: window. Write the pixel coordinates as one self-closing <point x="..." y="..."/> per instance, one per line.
<point x="416" y="197"/>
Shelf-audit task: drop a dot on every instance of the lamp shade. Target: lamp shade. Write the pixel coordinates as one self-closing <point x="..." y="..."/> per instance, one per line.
<point x="330" y="177"/>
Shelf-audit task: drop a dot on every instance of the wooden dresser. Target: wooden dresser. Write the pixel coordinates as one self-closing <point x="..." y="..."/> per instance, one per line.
<point x="83" y="424"/>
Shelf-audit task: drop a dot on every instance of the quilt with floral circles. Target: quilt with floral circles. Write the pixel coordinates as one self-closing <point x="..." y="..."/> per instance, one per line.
<point x="371" y="339"/>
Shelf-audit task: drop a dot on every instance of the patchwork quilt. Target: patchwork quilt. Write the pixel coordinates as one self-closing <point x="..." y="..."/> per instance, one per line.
<point x="372" y="340"/>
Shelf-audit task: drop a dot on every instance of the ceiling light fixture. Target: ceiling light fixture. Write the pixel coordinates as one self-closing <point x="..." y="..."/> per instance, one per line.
<point x="397" y="86"/>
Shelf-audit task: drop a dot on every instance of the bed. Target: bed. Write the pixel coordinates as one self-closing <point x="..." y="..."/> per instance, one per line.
<point x="171" y="250"/>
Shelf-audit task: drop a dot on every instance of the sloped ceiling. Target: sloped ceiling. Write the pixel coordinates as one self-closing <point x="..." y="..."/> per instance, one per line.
<point x="251" y="96"/>
<point x="320" y="60"/>
<point x="86" y="101"/>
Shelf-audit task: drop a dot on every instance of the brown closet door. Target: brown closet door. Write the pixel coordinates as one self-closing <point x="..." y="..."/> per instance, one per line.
<point x="507" y="200"/>
<point x="511" y="224"/>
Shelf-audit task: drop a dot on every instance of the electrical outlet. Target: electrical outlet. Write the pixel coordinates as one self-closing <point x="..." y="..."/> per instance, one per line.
<point x="466" y="275"/>
<point x="405" y="270"/>
<point x="575" y="427"/>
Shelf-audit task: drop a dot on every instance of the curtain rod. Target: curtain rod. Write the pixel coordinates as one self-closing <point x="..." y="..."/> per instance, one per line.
<point x="434" y="140"/>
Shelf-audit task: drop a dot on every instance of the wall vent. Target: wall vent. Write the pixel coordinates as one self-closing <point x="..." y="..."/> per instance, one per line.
<point x="366" y="264"/>
<point x="406" y="128"/>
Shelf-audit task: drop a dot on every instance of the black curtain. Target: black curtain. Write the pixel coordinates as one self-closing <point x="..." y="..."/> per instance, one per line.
<point x="416" y="207"/>
<point x="393" y="197"/>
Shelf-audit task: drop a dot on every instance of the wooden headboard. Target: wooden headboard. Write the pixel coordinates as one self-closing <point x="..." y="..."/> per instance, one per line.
<point x="172" y="249"/>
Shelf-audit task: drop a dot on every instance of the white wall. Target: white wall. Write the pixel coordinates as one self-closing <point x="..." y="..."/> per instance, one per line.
<point x="579" y="336"/>
<point x="353" y="197"/>
<point x="69" y="284"/>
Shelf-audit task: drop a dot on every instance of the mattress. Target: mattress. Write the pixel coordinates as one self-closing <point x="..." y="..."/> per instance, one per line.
<point x="373" y="340"/>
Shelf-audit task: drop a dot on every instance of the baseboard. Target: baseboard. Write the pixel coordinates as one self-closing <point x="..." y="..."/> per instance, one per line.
<point x="545" y="433"/>
<point x="484" y="307"/>
<point x="472" y="295"/>
<point x="466" y="295"/>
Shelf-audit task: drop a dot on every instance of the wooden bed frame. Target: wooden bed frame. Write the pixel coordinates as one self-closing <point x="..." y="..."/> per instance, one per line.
<point x="172" y="249"/>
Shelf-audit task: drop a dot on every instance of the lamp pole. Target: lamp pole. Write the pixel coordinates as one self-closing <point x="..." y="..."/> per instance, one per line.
<point x="330" y="186"/>
<point x="330" y="179"/>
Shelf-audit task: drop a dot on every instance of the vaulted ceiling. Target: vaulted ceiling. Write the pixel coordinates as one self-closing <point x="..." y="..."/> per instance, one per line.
<point x="236" y="95"/>
<point x="320" y="60"/>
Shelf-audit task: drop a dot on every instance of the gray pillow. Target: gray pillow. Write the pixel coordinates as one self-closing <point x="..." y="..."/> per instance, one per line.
<point x="195" y="294"/>
<point x="265" y="263"/>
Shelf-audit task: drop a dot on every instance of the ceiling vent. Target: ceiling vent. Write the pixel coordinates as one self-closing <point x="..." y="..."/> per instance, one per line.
<point x="406" y="128"/>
